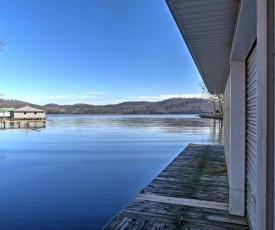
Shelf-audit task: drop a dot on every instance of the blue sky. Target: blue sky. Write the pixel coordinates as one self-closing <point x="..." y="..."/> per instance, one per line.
<point x="93" y="51"/>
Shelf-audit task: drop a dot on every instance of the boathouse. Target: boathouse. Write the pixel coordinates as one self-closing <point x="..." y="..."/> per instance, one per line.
<point x="6" y="112"/>
<point x="232" y="44"/>
<point x="28" y="113"/>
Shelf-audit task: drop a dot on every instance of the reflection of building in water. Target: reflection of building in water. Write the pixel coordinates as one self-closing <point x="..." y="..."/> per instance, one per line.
<point x="217" y="131"/>
<point x="25" y="117"/>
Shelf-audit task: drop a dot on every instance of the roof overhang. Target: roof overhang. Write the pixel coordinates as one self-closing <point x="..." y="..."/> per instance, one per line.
<point x="208" y="28"/>
<point x="28" y="109"/>
<point x="246" y="31"/>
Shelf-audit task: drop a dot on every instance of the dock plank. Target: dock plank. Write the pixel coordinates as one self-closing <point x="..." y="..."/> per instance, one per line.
<point x="190" y="193"/>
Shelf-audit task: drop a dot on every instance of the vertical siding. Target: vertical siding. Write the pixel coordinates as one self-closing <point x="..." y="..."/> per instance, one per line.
<point x="226" y="120"/>
<point x="251" y="139"/>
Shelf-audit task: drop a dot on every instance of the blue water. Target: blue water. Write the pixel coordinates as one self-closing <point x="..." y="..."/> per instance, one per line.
<point x="81" y="170"/>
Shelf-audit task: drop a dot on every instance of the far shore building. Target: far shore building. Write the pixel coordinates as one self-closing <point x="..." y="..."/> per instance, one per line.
<point x="28" y="113"/>
<point x="6" y="112"/>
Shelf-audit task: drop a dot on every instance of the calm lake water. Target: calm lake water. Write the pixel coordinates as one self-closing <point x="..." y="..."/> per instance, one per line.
<point x="81" y="170"/>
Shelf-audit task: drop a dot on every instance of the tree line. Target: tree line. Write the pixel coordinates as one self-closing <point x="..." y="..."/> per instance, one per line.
<point x="169" y="106"/>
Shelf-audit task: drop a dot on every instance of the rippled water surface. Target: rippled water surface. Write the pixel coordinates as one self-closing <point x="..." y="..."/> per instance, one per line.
<point x="80" y="170"/>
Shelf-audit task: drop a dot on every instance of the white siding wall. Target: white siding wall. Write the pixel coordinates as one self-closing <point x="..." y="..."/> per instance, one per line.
<point x="4" y="114"/>
<point x="265" y="120"/>
<point x="21" y="115"/>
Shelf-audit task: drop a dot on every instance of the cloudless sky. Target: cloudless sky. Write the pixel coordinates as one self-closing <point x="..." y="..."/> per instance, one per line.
<point x="93" y="51"/>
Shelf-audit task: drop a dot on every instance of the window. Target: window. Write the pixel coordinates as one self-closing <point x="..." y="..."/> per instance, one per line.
<point x="35" y="113"/>
<point x="25" y="113"/>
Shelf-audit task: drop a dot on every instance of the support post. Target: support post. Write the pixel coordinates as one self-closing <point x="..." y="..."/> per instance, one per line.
<point x="237" y="139"/>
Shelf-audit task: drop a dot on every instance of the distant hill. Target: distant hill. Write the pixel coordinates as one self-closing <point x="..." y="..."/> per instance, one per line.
<point x="16" y="104"/>
<point x="169" y="106"/>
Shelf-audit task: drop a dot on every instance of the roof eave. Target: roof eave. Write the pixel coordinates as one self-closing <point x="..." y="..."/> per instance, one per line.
<point x="185" y="37"/>
<point x="212" y="57"/>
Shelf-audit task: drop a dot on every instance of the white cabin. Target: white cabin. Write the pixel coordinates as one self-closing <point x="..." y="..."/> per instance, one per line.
<point x="28" y="113"/>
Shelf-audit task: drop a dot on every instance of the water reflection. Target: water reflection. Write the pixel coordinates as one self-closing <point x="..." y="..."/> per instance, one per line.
<point x="217" y="131"/>
<point x="174" y="124"/>
<point x="82" y="169"/>
<point x="22" y="124"/>
<point x="2" y="154"/>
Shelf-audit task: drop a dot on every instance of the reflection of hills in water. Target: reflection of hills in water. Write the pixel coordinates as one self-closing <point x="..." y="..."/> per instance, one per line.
<point x="176" y="123"/>
<point x="167" y="124"/>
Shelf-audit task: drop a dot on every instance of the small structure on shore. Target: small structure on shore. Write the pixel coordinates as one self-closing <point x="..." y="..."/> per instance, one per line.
<point x="25" y="117"/>
<point x="28" y="113"/>
<point x="6" y="112"/>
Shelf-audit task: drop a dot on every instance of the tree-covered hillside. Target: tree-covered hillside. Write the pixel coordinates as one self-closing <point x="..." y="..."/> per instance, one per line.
<point x="170" y="106"/>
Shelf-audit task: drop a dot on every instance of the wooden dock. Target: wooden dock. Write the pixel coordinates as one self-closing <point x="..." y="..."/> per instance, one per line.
<point x="190" y="193"/>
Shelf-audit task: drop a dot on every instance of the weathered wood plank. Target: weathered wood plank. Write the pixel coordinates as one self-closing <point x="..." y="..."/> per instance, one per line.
<point x="190" y="193"/>
<point x="184" y="201"/>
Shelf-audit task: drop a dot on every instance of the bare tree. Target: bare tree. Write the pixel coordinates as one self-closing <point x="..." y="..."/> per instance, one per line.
<point x="206" y="94"/>
<point x="216" y="99"/>
<point x="220" y="100"/>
